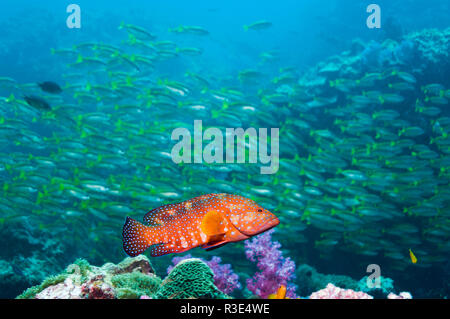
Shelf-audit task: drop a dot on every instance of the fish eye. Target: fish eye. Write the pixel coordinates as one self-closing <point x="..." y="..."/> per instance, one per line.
<point x="259" y="210"/>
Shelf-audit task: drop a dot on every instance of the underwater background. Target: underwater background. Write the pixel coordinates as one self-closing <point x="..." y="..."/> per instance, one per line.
<point x="363" y="115"/>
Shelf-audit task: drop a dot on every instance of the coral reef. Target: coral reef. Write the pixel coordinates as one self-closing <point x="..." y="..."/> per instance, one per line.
<point x="433" y="45"/>
<point x="190" y="278"/>
<point x="135" y="284"/>
<point x="309" y="281"/>
<point x="402" y="295"/>
<point x="63" y="290"/>
<point x="333" y="292"/>
<point x="134" y="278"/>
<point x="224" y="277"/>
<point x="275" y="270"/>
<point x="27" y="257"/>
<point x="386" y="287"/>
<point x="131" y="278"/>
<point x="428" y="49"/>
<point x="48" y="283"/>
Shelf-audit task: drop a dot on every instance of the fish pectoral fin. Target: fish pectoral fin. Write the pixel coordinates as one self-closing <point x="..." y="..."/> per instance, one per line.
<point x="213" y="224"/>
<point x="214" y="245"/>
<point x="215" y="238"/>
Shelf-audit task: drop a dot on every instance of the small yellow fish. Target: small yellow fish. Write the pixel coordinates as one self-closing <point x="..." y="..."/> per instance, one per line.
<point x="281" y="293"/>
<point x="413" y="258"/>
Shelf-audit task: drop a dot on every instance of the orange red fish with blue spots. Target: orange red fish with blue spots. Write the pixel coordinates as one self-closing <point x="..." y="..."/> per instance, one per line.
<point x="209" y="221"/>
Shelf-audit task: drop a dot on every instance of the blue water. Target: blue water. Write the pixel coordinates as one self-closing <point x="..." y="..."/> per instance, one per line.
<point x="303" y="34"/>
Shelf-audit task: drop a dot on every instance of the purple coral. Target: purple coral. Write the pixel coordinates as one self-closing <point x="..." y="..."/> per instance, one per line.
<point x="224" y="277"/>
<point x="275" y="270"/>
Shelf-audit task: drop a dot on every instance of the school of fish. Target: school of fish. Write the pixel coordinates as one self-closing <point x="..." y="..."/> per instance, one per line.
<point x="364" y="160"/>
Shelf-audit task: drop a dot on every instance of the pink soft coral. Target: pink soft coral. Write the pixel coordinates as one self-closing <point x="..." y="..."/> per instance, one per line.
<point x="402" y="295"/>
<point x="333" y="292"/>
<point x="275" y="270"/>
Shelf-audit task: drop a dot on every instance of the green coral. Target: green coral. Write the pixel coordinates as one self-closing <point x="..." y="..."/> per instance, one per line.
<point x="433" y="45"/>
<point x="135" y="284"/>
<point x="191" y="278"/>
<point x="127" y="293"/>
<point x="131" y="278"/>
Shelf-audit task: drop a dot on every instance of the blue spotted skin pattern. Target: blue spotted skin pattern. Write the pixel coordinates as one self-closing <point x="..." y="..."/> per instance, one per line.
<point x="176" y="228"/>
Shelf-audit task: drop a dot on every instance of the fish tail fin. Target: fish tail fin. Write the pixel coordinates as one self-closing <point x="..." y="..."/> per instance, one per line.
<point x="11" y="98"/>
<point x="136" y="237"/>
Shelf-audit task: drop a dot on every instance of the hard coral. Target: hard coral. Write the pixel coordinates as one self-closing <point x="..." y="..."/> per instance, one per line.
<point x="433" y="44"/>
<point x="97" y="288"/>
<point x="64" y="290"/>
<point x="333" y="292"/>
<point x="128" y="279"/>
<point x="52" y="281"/>
<point x="224" y="277"/>
<point x="27" y="256"/>
<point x="135" y="284"/>
<point x="402" y="295"/>
<point x="190" y="278"/>
<point x="427" y="49"/>
<point x="385" y="288"/>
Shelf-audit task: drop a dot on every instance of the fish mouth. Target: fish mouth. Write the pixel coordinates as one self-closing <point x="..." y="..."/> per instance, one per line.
<point x="265" y="227"/>
<point x="270" y="224"/>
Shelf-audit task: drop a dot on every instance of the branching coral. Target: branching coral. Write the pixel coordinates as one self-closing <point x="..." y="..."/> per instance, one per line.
<point x="131" y="278"/>
<point x="275" y="270"/>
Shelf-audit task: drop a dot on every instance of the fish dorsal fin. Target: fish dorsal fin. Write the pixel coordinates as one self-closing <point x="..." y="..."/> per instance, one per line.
<point x="161" y="215"/>
<point x="213" y="224"/>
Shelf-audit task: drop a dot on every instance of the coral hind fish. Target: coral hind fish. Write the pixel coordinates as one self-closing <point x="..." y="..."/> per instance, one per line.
<point x="209" y="221"/>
